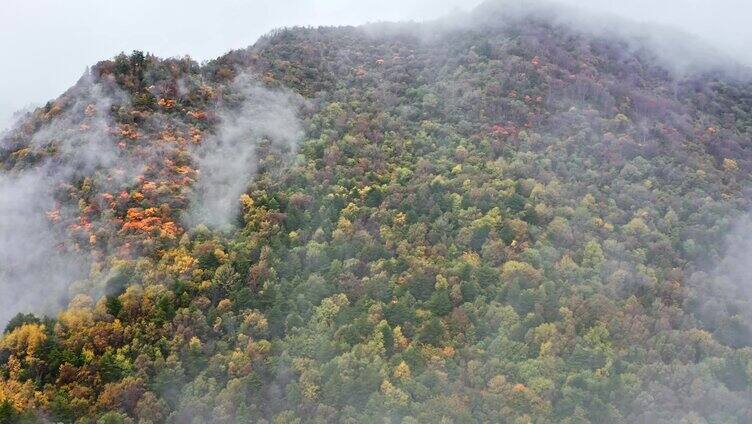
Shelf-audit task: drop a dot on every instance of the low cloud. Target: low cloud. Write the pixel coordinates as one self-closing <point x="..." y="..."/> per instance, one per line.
<point x="721" y="298"/>
<point x="674" y="45"/>
<point x="227" y="160"/>
<point x="40" y="263"/>
<point x="37" y="266"/>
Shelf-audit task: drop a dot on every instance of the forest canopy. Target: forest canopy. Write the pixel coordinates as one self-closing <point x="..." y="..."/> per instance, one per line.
<point x="514" y="223"/>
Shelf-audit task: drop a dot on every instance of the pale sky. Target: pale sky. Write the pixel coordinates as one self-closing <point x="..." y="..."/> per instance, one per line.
<point x="47" y="44"/>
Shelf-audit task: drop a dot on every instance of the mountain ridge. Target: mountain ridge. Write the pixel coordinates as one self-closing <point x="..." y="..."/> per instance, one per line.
<point x="515" y="223"/>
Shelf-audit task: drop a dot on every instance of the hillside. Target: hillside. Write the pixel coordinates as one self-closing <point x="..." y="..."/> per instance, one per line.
<point x="503" y="220"/>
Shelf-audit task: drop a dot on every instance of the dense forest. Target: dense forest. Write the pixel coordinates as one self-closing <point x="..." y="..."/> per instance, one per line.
<point x="511" y="221"/>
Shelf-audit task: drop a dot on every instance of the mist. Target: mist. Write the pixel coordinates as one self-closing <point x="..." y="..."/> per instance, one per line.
<point x="40" y="262"/>
<point x="437" y="247"/>
<point x="721" y="295"/>
<point x="76" y="34"/>
<point x="688" y="37"/>
<point x="676" y="47"/>
<point x="227" y="160"/>
<point x="722" y="24"/>
<point x="36" y="270"/>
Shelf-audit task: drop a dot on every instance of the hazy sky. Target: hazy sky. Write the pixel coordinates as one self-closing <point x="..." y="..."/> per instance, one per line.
<point x="47" y="44"/>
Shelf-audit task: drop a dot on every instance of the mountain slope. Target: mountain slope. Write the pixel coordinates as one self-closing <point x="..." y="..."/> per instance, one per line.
<point x="507" y="220"/>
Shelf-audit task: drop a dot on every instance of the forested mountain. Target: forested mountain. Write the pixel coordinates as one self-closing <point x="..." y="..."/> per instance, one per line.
<point x="497" y="220"/>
